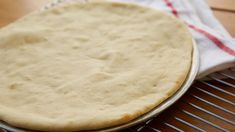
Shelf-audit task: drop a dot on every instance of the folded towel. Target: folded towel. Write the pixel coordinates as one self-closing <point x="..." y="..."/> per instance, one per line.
<point x="216" y="46"/>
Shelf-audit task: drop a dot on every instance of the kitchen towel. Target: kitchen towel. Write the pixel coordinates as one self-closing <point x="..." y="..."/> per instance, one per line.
<point x="216" y="46"/>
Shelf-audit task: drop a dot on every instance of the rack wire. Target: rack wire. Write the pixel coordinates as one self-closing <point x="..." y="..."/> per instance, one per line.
<point x="209" y="105"/>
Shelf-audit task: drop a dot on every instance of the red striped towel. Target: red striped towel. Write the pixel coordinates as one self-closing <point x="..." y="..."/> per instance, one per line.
<point x="216" y="46"/>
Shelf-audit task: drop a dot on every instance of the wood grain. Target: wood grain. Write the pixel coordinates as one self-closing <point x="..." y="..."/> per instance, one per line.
<point x="227" y="19"/>
<point x="11" y="10"/>
<point x="228" y="5"/>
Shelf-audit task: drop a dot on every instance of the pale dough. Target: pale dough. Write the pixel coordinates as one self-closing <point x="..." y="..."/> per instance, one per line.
<point x="89" y="66"/>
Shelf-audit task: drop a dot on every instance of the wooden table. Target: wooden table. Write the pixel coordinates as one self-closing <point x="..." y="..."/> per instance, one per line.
<point x="224" y="10"/>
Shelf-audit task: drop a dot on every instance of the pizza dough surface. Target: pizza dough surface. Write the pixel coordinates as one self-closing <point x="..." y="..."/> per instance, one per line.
<point x="89" y="66"/>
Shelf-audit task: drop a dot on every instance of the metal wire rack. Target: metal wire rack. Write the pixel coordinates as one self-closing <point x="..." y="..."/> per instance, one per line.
<point x="209" y="105"/>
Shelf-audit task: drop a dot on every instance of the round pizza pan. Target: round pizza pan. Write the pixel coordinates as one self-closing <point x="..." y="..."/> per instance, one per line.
<point x="153" y="113"/>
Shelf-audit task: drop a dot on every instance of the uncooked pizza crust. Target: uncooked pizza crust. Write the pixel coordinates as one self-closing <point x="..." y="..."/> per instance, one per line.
<point x="89" y="66"/>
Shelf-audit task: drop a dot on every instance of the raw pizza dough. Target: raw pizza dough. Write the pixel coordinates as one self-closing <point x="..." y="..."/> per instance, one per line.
<point x="89" y="66"/>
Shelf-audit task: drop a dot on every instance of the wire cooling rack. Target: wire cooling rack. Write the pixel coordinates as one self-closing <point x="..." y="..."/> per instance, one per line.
<point x="209" y="105"/>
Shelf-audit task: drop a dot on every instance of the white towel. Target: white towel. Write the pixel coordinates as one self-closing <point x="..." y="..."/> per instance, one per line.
<point x="216" y="46"/>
